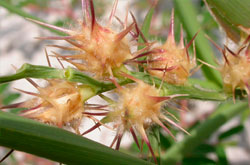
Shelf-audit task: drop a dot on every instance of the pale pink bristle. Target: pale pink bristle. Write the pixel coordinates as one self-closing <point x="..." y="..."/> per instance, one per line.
<point x="67" y="31"/>
<point x="122" y="34"/>
<point x="92" y="10"/>
<point x="134" y="137"/>
<point x="171" y="28"/>
<point x="112" y="12"/>
<point x="97" y="125"/>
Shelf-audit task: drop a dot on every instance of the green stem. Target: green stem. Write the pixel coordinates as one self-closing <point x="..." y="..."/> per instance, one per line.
<point x="224" y="113"/>
<point x="194" y="91"/>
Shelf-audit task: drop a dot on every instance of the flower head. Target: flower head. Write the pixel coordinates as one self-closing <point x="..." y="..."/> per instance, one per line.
<point x="138" y="108"/>
<point x="171" y="61"/>
<point x="235" y="69"/>
<point x="98" y="49"/>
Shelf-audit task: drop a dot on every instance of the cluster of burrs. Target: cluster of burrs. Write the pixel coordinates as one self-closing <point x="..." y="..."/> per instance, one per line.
<point x="104" y="53"/>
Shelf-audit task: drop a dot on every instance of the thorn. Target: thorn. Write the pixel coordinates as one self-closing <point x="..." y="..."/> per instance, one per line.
<point x="163" y="69"/>
<point x="164" y="127"/>
<point x="32" y="83"/>
<point x="230" y="51"/>
<point x="122" y="34"/>
<point x="67" y="31"/>
<point x="242" y="48"/>
<point x="118" y="141"/>
<point x="96" y="114"/>
<point x="195" y="70"/>
<point x="92" y="10"/>
<point x="191" y="41"/>
<point x="134" y="137"/>
<point x="174" y="124"/>
<point x="75" y="44"/>
<point x="247" y="40"/>
<point x="224" y="56"/>
<point x="181" y="43"/>
<point x="194" y="51"/>
<point x="7" y="155"/>
<point x="26" y="92"/>
<point x="207" y="64"/>
<point x="17" y="105"/>
<point x="55" y="38"/>
<point x="91" y="129"/>
<point x="60" y="62"/>
<point x="116" y="83"/>
<point x="130" y="77"/>
<point x="164" y="98"/>
<point x="27" y="110"/>
<point x="171" y="28"/>
<point x="112" y="12"/>
<point x="139" y="32"/>
<point x="145" y="138"/>
<point x="85" y="7"/>
<point x="47" y="57"/>
<point x="14" y="67"/>
<point x="114" y="140"/>
<point x="216" y="45"/>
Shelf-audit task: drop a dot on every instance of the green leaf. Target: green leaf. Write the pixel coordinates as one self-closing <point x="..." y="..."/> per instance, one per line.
<point x="10" y="98"/>
<point x="198" y="160"/>
<point x="3" y="87"/>
<point x="232" y="15"/>
<point x="18" y="11"/>
<point x="231" y="131"/>
<point x="224" y="113"/>
<point x="188" y="15"/>
<point x="56" y="144"/>
<point x="221" y="154"/>
<point x="204" y="149"/>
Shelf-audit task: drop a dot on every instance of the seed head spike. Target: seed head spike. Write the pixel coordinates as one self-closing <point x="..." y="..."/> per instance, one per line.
<point x="92" y="10"/>
<point x="118" y="141"/>
<point x="191" y="41"/>
<point x="122" y="34"/>
<point x="230" y="51"/>
<point x="47" y="57"/>
<point x="7" y="155"/>
<point x="171" y="29"/>
<point x="145" y="138"/>
<point x="181" y="43"/>
<point x="112" y="14"/>
<point x="134" y="137"/>
<point x="67" y="31"/>
<point x="92" y="128"/>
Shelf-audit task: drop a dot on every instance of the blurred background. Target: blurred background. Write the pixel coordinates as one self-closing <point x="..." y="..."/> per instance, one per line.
<point x="229" y="145"/>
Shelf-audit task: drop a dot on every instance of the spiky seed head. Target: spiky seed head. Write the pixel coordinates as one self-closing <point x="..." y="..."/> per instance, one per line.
<point x="235" y="70"/>
<point x="171" y="55"/>
<point x="138" y="108"/>
<point x="101" y="50"/>
<point x="98" y="49"/>
<point x="59" y="103"/>
<point x="135" y="106"/>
